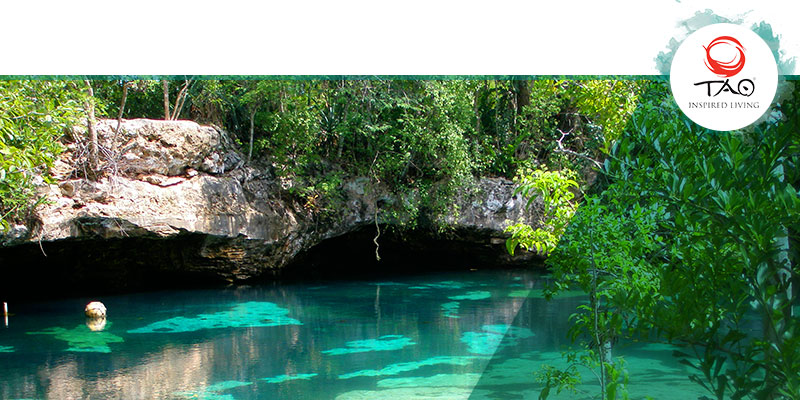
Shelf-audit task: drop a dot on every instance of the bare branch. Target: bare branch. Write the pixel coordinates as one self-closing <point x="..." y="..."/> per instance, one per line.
<point x="165" y="84"/>
<point x="179" y="101"/>
<point x="562" y="149"/>
<point x="125" y="87"/>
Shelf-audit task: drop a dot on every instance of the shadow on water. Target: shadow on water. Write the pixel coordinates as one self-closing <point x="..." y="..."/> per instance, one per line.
<point x="370" y="339"/>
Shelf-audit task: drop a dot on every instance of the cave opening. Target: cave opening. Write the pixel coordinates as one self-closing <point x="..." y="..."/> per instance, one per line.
<point x="103" y="266"/>
<point x="353" y="255"/>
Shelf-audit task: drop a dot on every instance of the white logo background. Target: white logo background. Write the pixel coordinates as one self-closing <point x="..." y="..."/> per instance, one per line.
<point x="726" y="111"/>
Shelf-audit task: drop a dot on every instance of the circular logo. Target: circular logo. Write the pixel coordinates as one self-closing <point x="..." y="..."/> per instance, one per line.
<point x="724" y="77"/>
<point x="725" y="69"/>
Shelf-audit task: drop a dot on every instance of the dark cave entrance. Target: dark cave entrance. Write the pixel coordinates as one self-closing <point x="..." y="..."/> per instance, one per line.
<point x="415" y="251"/>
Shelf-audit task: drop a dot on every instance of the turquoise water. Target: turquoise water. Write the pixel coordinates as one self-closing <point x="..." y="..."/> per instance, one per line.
<point x="465" y="335"/>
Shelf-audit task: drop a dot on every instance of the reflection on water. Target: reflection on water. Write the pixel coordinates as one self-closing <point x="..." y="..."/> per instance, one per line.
<point x="447" y="336"/>
<point x="83" y="338"/>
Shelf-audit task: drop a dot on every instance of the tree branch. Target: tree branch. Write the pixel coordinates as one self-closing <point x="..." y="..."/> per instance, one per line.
<point x="562" y="149"/>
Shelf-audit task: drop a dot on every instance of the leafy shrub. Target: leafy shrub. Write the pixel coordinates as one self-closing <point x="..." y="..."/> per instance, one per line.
<point x="33" y="115"/>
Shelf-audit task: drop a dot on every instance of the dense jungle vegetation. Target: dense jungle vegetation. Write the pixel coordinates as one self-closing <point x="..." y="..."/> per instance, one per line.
<point x="428" y="137"/>
<point x="685" y="236"/>
<point x="690" y="239"/>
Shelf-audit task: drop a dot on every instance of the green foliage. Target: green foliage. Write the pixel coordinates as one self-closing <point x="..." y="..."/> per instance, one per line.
<point x="523" y="235"/>
<point x="145" y="98"/>
<point x="33" y="115"/>
<point x="689" y="242"/>
<point x="517" y="122"/>
<point x="554" y="189"/>
<point x="728" y="288"/>
<point x="569" y="378"/>
<point x="562" y="380"/>
<point x="605" y="106"/>
<point x="426" y="139"/>
<point x="608" y="251"/>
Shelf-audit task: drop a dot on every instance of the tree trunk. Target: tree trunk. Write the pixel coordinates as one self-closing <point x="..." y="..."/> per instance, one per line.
<point x="476" y="111"/>
<point x="252" y="128"/>
<point x="601" y="343"/>
<point x="90" y="126"/>
<point x="774" y="327"/>
<point x="165" y="84"/>
<point x="121" y="110"/>
<point x="601" y="340"/>
<point x="181" y="99"/>
<point x="523" y="94"/>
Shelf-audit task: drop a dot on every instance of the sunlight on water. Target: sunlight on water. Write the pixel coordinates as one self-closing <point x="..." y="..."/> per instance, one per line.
<point x="492" y="338"/>
<point x="440" y="380"/>
<point x="212" y="392"/>
<point x="251" y="314"/>
<point x="82" y="339"/>
<point x="383" y="343"/>
<point x="284" y="378"/>
<point x="476" y="295"/>
<point x="394" y="369"/>
<point x="465" y="335"/>
<point x="413" y="393"/>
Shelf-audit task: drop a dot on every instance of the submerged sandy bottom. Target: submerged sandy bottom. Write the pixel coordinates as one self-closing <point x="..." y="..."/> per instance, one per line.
<point x="470" y="335"/>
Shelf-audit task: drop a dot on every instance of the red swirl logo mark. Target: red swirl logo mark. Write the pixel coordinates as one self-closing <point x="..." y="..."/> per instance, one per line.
<point x="728" y="68"/>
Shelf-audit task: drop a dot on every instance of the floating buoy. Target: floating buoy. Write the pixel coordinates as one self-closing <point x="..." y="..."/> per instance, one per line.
<point x="95" y="309"/>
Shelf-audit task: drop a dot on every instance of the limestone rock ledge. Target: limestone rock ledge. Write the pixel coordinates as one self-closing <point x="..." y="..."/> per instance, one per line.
<point x="182" y="205"/>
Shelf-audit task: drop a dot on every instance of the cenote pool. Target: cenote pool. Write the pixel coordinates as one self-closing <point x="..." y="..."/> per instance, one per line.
<point x="462" y="335"/>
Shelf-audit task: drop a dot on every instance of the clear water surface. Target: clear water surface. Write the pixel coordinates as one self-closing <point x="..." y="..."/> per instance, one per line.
<point x="464" y="335"/>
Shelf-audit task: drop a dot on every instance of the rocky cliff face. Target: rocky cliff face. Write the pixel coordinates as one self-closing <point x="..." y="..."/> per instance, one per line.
<point x="180" y="204"/>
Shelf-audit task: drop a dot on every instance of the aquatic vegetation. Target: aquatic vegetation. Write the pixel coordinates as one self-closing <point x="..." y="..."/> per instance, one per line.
<point x="82" y="339"/>
<point x="212" y="392"/>
<point x="394" y="369"/>
<point x="475" y="295"/>
<point x="6" y="349"/>
<point x="519" y="293"/>
<point x="383" y="343"/>
<point x="493" y="338"/>
<point x="440" y="380"/>
<point x="284" y="378"/>
<point x="449" y="309"/>
<point x="250" y="314"/>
